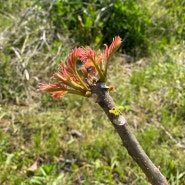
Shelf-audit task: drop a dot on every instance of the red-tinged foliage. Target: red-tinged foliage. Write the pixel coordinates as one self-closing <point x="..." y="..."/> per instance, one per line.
<point x="72" y="59"/>
<point x="89" y="57"/>
<point x="58" y="94"/>
<point x="93" y="69"/>
<point x="51" y="87"/>
<point x="113" y="47"/>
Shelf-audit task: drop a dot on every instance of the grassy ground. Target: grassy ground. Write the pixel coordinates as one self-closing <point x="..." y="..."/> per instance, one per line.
<point x="75" y="144"/>
<point x="70" y="141"/>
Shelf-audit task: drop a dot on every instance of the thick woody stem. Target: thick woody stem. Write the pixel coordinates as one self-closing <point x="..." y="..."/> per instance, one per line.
<point x="129" y="140"/>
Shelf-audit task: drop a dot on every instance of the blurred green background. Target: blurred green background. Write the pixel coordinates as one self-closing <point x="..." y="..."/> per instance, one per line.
<point x="70" y="141"/>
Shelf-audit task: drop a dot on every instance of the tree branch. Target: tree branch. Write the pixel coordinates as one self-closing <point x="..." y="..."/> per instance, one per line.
<point x="102" y="97"/>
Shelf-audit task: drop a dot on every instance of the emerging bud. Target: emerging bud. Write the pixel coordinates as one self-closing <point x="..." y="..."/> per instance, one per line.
<point x="92" y="70"/>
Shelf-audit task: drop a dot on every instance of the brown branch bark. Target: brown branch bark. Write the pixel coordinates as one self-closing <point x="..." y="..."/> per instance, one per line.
<point x="129" y="140"/>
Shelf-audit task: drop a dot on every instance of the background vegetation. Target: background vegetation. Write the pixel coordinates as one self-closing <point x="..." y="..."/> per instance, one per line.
<point x="69" y="141"/>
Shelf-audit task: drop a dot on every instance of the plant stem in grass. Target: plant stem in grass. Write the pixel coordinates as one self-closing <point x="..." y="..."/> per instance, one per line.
<point x="102" y="97"/>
